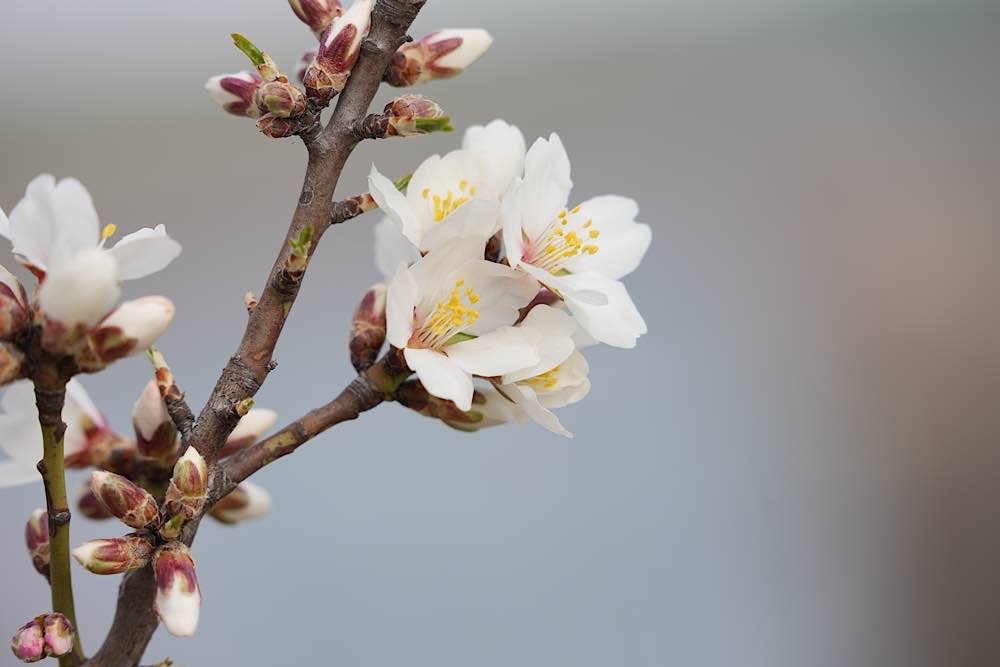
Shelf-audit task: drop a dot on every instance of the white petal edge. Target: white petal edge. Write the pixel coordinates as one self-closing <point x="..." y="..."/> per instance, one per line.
<point x="441" y="376"/>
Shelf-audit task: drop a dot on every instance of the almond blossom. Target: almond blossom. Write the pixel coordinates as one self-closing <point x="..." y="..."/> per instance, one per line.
<point x="450" y="313"/>
<point x="580" y="253"/>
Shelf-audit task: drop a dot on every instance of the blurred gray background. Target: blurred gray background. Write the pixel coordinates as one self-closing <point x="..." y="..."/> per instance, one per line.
<point x="798" y="465"/>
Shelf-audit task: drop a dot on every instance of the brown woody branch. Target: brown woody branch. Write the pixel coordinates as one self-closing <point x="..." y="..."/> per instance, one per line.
<point x="351" y="207"/>
<point x="328" y="148"/>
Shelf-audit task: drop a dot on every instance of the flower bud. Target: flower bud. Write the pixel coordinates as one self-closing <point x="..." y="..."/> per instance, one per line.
<point x="317" y="14"/>
<point x="12" y="365"/>
<point x="249" y="429"/>
<point x="131" y="328"/>
<point x="339" y="48"/>
<point x="13" y="315"/>
<point x="36" y="538"/>
<point x="28" y="643"/>
<point x="58" y="635"/>
<point x="439" y="55"/>
<point x="278" y="128"/>
<point x="236" y="92"/>
<point x="280" y="99"/>
<point x="81" y="292"/>
<point x="114" y="555"/>
<point x="247" y="501"/>
<point x="155" y="433"/>
<point x="89" y="506"/>
<point x="368" y="328"/>
<point x="132" y="504"/>
<point x="178" y="597"/>
<point x="189" y="485"/>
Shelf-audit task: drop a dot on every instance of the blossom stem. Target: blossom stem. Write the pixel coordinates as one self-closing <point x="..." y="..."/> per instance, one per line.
<point x="50" y="398"/>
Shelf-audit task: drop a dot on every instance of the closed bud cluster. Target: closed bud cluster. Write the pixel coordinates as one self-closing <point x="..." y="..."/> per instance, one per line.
<point x="236" y="93"/>
<point x="45" y="636"/>
<point x="189" y="485"/>
<point x="280" y="99"/>
<point x="13" y="314"/>
<point x="114" y="555"/>
<point x="89" y="506"/>
<point x="368" y="328"/>
<point x="36" y="539"/>
<point x="155" y="433"/>
<point x="339" y="48"/>
<point x="178" y="596"/>
<point x="127" y="501"/>
<point x="317" y="14"/>
<point x="439" y="55"/>
<point x="251" y="426"/>
<point x="248" y="501"/>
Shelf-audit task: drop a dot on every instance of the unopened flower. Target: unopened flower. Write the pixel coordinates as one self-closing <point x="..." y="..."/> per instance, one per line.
<point x="249" y="429"/>
<point x="411" y="115"/>
<point x="131" y="328"/>
<point x="368" y="328"/>
<point x="579" y="253"/>
<point x="339" y="48"/>
<point x="439" y="55"/>
<point x="89" y="506"/>
<point x="28" y="643"/>
<point x="462" y="189"/>
<point x="21" y="436"/>
<point x="189" y="485"/>
<point x="178" y="596"/>
<point x="58" y="635"/>
<point x="155" y="433"/>
<point x="36" y="539"/>
<point x="127" y="501"/>
<point x="317" y="14"/>
<point x="236" y="93"/>
<point x="449" y="314"/>
<point x="280" y="99"/>
<point x="247" y="501"/>
<point x="114" y="555"/>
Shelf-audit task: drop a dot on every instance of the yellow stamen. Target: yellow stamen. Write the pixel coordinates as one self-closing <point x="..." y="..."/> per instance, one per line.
<point x="108" y="232"/>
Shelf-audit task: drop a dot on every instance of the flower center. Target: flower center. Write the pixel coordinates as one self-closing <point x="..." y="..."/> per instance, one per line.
<point x="547" y="380"/>
<point x="566" y="237"/>
<point x="449" y="203"/>
<point x="450" y="316"/>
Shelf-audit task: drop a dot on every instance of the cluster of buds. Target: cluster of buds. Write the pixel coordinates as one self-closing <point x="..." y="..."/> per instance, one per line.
<point x="317" y="14"/>
<point x="36" y="539"/>
<point x="405" y="116"/>
<point x="368" y="328"/>
<point x="45" y="636"/>
<point x="178" y="596"/>
<point x="439" y="55"/>
<point x="339" y="48"/>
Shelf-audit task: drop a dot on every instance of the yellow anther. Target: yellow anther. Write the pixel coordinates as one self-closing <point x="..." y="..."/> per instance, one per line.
<point x="576" y="209"/>
<point x="562" y="213"/>
<point x="425" y="192"/>
<point x="547" y="380"/>
<point x="108" y="232"/>
<point x="594" y="233"/>
<point x="588" y="224"/>
<point x="451" y="315"/>
<point x="462" y="184"/>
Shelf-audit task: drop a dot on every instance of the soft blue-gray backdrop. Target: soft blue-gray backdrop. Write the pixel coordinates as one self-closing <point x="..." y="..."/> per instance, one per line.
<point x="797" y="466"/>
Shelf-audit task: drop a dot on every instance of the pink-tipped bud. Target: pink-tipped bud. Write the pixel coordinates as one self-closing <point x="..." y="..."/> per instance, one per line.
<point x="248" y="501"/>
<point x="12" y="363"/>
<point x="189" y="485"/>
<point x="131" y="503"/>
<point x="368" y="328"/>
<point x="155" y="433"/>
<point x="36" y="538"/>
<point x="439" y="55"/>
<point x="131" y="328"/>
<point x="114" y="555"/>
<point x="28" y="643"/>
<point x="58" y="635"/>
<point x="339" y="48"/>
<point x="13" y="315"/>
<point x="317" y="14"/>
<point x="248" y="430"/>
<point x="89" y="506"/>
<point x="280" y="99"/>
<point x="178" y="597"/>
<point x="236" y="92"/>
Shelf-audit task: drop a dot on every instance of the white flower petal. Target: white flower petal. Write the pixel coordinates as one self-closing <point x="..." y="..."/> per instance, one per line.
<point x="622" y="242"/>
<point x="144" y="319"/>
<point x="526" y="399"/>
<point x="500" y="148"/>
<point x="513" y="237"/>
<point x="82" y="290"/>
<point x="392" y="248"/>
<point x="76" y="223"/>
<point x="32" y="222"/>
<point x="546" y="186"/>
<point x="478" y="219"/>
<point x="401" y="299"/>
<point x="475" y="42"/>
<point x="4" y="225"/>
<point x="502" y="291"/>
<point x="441" y="376"/>
<point x="551" y="331"/>
<point x="144" y="252"/>
<point x="618" y="323"/>
<point x="565" y="288"/>
<point x="396" y="205"/>
<point x="502" y="351"/>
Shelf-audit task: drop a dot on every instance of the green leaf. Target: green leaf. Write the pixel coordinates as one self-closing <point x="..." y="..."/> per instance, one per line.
<point x="459" y="338"/>
<point x="255" y="55"/>
<point x="301" y="245"/>
<point x="403" y="182"/>
<point x="427" y="125"/>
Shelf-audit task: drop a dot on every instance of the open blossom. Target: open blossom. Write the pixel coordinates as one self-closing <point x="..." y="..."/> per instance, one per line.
<point x="21" y="436"/>
<point x="450" y="313"/>
<point x="56" y="233"/>
<point x="579" y="253"/>
<point x="462" y="188"/>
